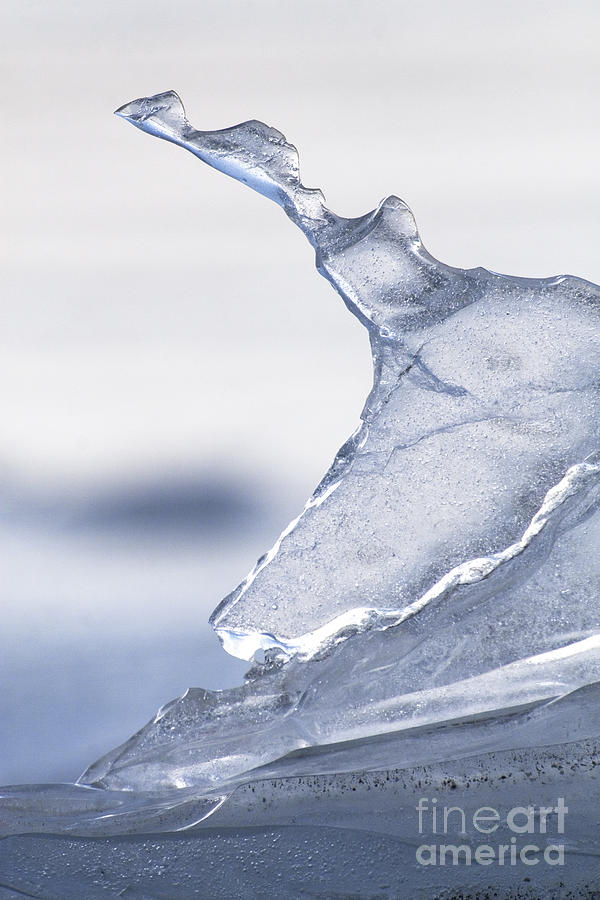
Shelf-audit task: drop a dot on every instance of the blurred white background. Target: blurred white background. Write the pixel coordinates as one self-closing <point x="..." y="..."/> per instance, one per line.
<point x="174" y="375"/>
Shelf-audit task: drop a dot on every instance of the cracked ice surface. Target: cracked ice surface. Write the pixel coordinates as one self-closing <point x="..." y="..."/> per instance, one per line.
<point x="437" y="602"/>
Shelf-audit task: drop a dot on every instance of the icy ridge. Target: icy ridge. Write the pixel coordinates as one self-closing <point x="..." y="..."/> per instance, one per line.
<point x="577" y="483"/>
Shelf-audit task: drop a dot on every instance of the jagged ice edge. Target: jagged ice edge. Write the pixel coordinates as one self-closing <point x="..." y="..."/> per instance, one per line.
<point x="246" y="644"/>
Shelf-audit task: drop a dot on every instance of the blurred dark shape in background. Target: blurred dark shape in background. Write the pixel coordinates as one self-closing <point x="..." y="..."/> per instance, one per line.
<point x="120" y="579"/>
<point x="196" y="506"/>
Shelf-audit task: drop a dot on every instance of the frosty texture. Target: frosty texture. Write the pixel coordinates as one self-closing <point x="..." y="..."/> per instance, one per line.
<point x="434" y="612"/>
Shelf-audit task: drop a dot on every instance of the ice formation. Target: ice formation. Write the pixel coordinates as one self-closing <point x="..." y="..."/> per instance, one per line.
<point x="430" y="623"/>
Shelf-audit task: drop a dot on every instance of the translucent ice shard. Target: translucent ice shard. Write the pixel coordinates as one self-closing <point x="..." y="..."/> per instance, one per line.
<point x="446" y="567"/>
<point x="430" y="622"/>
<point x="484" y="409"/>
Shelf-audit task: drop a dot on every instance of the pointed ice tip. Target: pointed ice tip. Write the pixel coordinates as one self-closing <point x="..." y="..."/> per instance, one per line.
<point x="167" y="103"/>
<point x="162" y="115"/>
<point x="124" y="111"/>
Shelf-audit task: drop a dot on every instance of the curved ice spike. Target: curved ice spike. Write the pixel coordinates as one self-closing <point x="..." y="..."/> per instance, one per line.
<point x="387" y="237"/>
<point x="251" y="152"/>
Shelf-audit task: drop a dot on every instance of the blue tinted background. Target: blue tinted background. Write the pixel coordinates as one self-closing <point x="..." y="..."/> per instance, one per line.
<point x="174" y="375"/>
